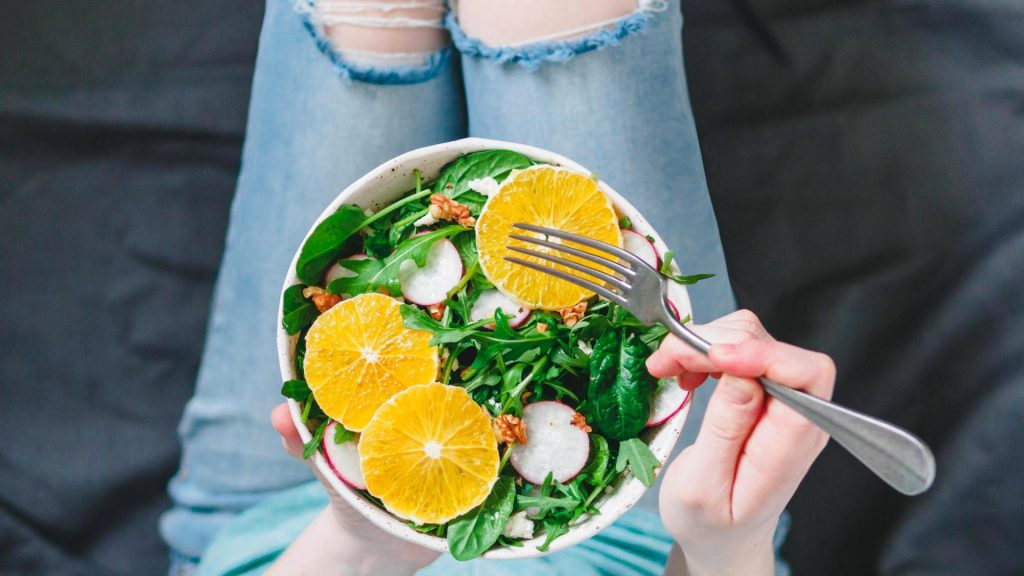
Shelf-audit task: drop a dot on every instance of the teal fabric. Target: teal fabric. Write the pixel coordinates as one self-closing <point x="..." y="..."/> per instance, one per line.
<point x="636" y="545"/>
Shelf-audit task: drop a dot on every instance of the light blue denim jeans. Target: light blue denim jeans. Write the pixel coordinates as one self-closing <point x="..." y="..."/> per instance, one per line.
<point x="615" y="101"/>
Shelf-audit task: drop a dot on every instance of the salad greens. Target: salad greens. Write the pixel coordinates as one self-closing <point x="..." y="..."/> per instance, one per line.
<point x="595" y="365"/>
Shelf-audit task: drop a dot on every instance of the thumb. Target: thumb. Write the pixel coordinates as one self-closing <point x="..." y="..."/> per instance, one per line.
<point x="733" y="410"/>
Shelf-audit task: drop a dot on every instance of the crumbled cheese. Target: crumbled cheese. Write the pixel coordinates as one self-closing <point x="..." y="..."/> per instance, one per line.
<point x="368" y="212"/>
<point x="585" y="347"/>
<point x="427" y="220"/>
<point x="518" y="526"/>
<point x="486" y="186"/>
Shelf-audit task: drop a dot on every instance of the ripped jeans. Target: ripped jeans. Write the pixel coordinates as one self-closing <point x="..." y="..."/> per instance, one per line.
<point x="341" y="86"/>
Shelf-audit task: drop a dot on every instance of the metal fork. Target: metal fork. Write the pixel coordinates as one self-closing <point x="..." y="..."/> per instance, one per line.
<point x="895" y="455"/>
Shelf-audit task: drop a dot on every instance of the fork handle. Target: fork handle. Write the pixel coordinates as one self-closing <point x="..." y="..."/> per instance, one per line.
<point x="898" y="457"/>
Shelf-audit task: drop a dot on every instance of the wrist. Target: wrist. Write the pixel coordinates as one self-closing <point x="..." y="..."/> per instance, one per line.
<point x="367" y="549"/>
<point x="751" y="560"/>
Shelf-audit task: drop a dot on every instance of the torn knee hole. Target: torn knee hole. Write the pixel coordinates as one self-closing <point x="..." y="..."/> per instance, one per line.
<point x="497" y="23"/>
<point x="381" y="32"/>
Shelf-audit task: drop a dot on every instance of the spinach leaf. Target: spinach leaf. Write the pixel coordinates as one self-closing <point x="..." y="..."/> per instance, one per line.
<point x="666" y="270"/>
<point x="472" y="534"/>
<point x="372" y="274"/>
<point x="322" y="247"/>
<point x="297" y="390"/>
<point x="296" y="311"/>
<point x="641" y="461"/>
<point x="619" y="391"/>
<point x="600" y="456"/>
<point x="342" y="434"/>
<point x="454" y="179"/>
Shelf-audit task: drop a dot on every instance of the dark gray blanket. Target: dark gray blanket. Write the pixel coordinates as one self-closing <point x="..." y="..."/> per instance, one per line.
<point x="866" y="162"/>
<point x="120" y="133"/>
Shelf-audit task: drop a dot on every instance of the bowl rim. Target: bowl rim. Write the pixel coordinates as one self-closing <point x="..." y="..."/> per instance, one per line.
<point x="627" y="491"/>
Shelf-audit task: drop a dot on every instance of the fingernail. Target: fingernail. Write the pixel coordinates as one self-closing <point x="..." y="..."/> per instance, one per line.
<point x="737" y="391"/>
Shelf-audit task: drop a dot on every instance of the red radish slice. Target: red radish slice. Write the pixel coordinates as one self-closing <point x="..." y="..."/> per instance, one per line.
<point x="430" y="284"/>
<point x="639" y="245"/>
<point x="667" y="402"/>
<point x="491" y="300"/>
<point x="343" y="459"/>
<point x="338" y="271"/>
<point x="675" y="310"/>
<point x="553" y="445"/>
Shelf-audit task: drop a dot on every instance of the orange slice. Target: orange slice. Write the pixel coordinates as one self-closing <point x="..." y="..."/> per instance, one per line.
<point x="359" y="354"/>
<point x="429" y="454"/>
<point x="544" y="196"/>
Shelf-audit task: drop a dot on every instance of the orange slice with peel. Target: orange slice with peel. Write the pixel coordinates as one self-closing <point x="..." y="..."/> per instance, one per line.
<point x="359" y="354"/>
<point x="429" y="454"/>
<point x="544" y="196"/>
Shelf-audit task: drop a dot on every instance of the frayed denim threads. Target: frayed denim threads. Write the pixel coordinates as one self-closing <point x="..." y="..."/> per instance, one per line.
<point x="532" y="55"/>
<point x="434" y="63"/>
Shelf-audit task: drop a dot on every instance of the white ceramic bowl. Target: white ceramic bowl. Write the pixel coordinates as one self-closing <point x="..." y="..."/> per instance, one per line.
<point x="378" y="188"/>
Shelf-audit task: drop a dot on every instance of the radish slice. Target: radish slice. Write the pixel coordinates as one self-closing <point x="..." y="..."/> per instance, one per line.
<point x="667" y="402"/>
<point x="338" y="271"/>
<point x="343" y="458"/>
<point x="430" y="284"/>
<point x="491" y="300"/>
<point x="553" y="445"/>
<point x="640" y="246"/>
<point x="675" y="310"/>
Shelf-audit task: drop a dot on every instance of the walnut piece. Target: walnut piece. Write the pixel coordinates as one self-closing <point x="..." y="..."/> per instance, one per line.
<point x="572" y="314"/>
<point x="321" y="299"/>
<point x="509" y="428"/>
<point x="436" y="310"/>
<point x="580" y="422"/>
<point x="444" y="208"/>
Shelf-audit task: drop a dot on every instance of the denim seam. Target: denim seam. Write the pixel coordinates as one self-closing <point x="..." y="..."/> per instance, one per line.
<point x="435" y="63"/>
<point x="532" y="55"/>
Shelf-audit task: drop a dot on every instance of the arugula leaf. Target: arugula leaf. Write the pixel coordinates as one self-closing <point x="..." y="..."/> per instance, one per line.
<point x="322" y="247"/>
<point x="297" y="390"/>
<point x="641" y="461"/>
<point x="372" y="274"/>
<point x="417" y="319"/>
<point x="454" y="179"/>
<point x="367" y="272"/>
<point x="471" y="534"/>
<point x="342" y="434"/>
<point x="619" y="391"/>
<point x="553" y="528"/>
<point x="666" y="270"/>
<point x="544" y="504"/>
<point x="310" y="447"/>
<point x="296" y="311"/>
<point x="377" y="246"/>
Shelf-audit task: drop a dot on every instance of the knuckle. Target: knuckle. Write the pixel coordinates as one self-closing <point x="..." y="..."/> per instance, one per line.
<point x="825" y="367"/>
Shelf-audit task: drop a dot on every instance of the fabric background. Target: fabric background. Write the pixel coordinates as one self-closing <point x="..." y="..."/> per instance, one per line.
<point x="120" y="135"/>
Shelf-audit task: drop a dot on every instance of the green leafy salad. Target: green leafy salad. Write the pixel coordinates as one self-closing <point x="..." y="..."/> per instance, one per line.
<point x="562" y="386"/>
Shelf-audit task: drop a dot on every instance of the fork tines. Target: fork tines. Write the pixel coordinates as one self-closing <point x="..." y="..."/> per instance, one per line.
<point x="613" y="287"/>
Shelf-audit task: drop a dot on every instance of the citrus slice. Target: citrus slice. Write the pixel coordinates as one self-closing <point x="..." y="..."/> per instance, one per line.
<point x="359" y="354"/>
<point x="545" y="196"/>
<point x="429" y="454"/>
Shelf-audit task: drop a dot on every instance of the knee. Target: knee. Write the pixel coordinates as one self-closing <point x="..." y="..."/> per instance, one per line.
<point x="381" y="41"/>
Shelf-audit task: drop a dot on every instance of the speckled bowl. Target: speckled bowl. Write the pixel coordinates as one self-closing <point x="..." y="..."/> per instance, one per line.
<point x="379" y="187"/>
